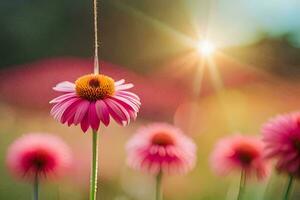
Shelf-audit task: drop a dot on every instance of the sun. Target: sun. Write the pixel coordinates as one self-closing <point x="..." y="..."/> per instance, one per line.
<point x="205" y="48"/>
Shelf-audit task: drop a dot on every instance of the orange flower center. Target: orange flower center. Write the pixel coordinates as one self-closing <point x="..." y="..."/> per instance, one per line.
<point x="94" y="87"/>
<point x="162" y="139"/>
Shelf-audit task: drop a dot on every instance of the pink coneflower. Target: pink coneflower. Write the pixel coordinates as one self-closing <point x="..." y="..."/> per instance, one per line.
<point x="94" y="98"/>
<point x="241" y="153"/>
<point x="282" y="139"/>
<point x="161" y="149"/>
<point x="38" y="155"/>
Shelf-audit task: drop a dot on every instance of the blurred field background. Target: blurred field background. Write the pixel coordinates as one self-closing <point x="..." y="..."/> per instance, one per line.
<point x="255" y="75"/>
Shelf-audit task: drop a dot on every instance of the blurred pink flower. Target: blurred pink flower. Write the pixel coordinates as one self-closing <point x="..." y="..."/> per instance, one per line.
<point x="160" y="147"/>
<point x="94" y="98"/>
<point x="240" y="153"/>
<point x="282" y="140"/>
<point x="39" y="155"/>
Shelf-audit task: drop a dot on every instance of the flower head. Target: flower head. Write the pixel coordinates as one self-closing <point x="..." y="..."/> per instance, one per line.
<point x="282" y="139"/>
<point x="240" y="153"/>
<point x="162" y="148"/>
<point x="94" y="98"/>
<point x="39" y="155"/>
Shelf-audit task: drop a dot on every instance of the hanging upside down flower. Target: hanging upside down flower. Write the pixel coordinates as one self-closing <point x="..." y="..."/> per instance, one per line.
<point x="95" y="99"/>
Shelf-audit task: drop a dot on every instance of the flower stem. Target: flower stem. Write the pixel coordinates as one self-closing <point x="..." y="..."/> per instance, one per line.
<point x="96" y="54"/>
<point x="36" y="188"/>
<point x="288" y="188"/>
<point x="159" y="193"/>
<point x="242" y="185"/>
<point x="94" y="169"/>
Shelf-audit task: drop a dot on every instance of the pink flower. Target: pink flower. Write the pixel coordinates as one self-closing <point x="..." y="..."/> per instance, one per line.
<point x="162" y="148"/>
<point x="39" y="155"/>
<point x="282" y="139"/>
<point x="94" y="98"/>
<point x="240" y="153"/>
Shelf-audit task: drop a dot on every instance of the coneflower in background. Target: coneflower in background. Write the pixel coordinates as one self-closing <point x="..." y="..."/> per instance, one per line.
<point x="36" y="157"/>
<point x="161" y="149"/>
<point x="282" y="138"/>
<point x="244" y="154"/>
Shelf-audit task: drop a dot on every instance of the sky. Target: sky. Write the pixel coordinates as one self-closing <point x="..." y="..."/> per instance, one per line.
<point x="242" y="22"/>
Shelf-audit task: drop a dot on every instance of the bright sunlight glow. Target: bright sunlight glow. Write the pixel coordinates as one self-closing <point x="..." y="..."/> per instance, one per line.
<point x="205" y="48"/>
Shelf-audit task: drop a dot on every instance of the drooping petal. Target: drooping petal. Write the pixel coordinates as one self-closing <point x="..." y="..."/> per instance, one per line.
<point x="126" y="93"/>
<point x="81" y="110"/>
<point x="93" y="118"/>
<point x="102" y="112"/>
<point x="85" y="123"/>
<point x="124" y="110"/>
<point x="115" y="111"/>
<point x="70" y="111"/>
<point x="58" y="109"/>
<point x="126" y="103"/>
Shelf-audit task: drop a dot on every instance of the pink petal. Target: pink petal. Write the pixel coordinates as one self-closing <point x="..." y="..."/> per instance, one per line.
<point x="115" y="111"/>
<point x="124" y="111"/>
<point x="63" y="97"/>
<point x="81" y="110"/>
<point x="70" y="111"/>
<point x="85" y="123"/>
<point x="71" y="120"/>
<point x="124" y="87"/>
<point x="93" y="118"/>
<point x="132" y="99"/>
<point x="120" y="82"/>
<point x="126" y="103"/>
<point x="102" y="112"/>
<point x="126" y="93"/>
<point x="58" y="109"/>
<point x="65" y="86"/>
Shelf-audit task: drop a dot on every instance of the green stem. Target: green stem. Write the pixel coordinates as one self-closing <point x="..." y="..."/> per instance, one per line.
<point x="242" y="185"/>
<point x="36" y="188"/>
<point x="159" y="193"/>
<point x="94" y="168"/>
<point x="288" y="188"/>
